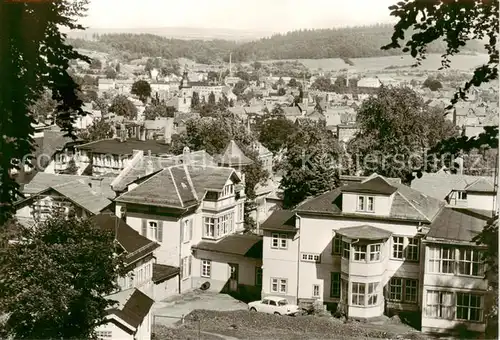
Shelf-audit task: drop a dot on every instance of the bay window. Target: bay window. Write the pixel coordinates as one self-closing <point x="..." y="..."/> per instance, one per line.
<point x="216" y="227"/>
<point x="461" y="261"/>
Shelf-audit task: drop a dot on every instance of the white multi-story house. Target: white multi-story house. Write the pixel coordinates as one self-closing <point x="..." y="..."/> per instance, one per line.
<point x="196" y="214"/>
<point x="364" y="248"/>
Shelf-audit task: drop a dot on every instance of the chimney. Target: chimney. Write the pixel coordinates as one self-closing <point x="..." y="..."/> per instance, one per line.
<point x="149" y="164"/>
<point x="186" y="155"/>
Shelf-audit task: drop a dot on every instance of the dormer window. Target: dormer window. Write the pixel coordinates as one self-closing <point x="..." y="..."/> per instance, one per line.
<point x="228" y="190"/>
<point x="366" y="203"/>
<point x="461" y="195"/>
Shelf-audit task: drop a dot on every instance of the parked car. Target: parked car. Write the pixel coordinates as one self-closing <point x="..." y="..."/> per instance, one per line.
<point x="274" y="305"/>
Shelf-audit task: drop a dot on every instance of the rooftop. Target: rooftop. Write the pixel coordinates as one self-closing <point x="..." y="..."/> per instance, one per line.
<point x="365" y="232"/>
<point x="440" y="185"/>
<point x="280" y="220"/>
<point x="133" y="306"/>
<point x="233" y="156"/>
<point x="162" y="272"/>
<point x="127" y="147"/>
<point x="244" y="245"/>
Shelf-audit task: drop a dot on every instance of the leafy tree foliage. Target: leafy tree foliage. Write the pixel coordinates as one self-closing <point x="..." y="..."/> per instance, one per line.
<point x="310" y="163"/>
<point x="100" y="129"/>
<point x="44" y="106"/>
<point x="121" y="106"/>
<point x="96" y="64"/>
<point x="195" y="100"/>
<point x="395" y="129"/>
<point x="53" y="284"/>
<point x="432" y="84"/>
<point x="292" y="82"/>
<point x="89" y="80"/>
<point x="142" y="89"/>
<point x="118" y="68"/>
<point x="349" y="42"/>
<point x="110" y="73"/>
<point x="281" y="91"/>
<point x="211" y="98"/>
<point x="239" y="88"/>
<point x="34" y="57"/>
<point x="458" y="22"/>
<point x="160" y="110"/>
<point x="71" y="168"/>
<point x="275" y="131"/>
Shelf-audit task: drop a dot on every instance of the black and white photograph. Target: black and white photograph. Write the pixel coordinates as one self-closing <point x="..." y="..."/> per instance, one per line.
<point x="238" y="170"/>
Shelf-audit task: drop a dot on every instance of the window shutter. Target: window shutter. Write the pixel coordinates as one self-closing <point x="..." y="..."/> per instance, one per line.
<point x="190" y="230"/>
<point x="144" y="227"/>
<point x="189" y="265"/>
<point x="182" y="230"/>
<point x="159" y="237"/>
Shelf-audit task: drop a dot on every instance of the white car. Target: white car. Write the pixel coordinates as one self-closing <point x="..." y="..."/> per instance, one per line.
<point x="274" y="305"/>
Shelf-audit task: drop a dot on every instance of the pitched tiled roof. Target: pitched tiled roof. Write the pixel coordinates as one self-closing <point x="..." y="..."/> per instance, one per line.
<point x="44" y="180"/>
<point x="233" y="156"/>
<point x="179" y="186"/>
<point x="407" y="204"/>
<point x="137" y="169"/>
<point x="280" y="220"/>
<point x="82" y="195"/>
<point x="162" y="272"/>
<point x="376" y="185"/>
<point x="365" y="232"/>
<point x="439" y="185"/>
<point x="244" y="245"/>
<point x="481" y="185"/>
<point x="133" y="306"/>
<point x="116" y="147"/>
<point x="136" y="245"/>
<point x="459" y="225"/>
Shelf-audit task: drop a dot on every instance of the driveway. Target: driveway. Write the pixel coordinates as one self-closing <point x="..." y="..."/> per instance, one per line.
<point x="169" y="311"/>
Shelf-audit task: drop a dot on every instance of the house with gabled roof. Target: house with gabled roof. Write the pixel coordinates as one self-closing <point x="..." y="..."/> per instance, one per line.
<point x="196" y="213"/>
<point x="461" y="191"/>
<point x="375" y="247"/>
<point x="68" y="197"/>
<point x="129" y="319"/>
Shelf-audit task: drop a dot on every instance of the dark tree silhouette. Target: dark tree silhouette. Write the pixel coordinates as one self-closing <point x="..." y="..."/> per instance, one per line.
<point x="195" y="100"/>
<point x="121" y="106"/>
<point x="432" y="84"/>
<point x="142" y="89"/>
<point x="30" y="37"/>
<point x="96" y="64"/>
<point x="211" y="99"/>
<point x="110" y="73"/>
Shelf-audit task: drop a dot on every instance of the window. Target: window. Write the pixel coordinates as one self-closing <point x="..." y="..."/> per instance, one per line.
<point x="335" y="285"/>
<point x="439" y="304"/>
<point x="396" y="289"/>
<point x="359" y="253"/>
<point x="206" y="266"/>
<point x="131" y="280"/>
<point x="361" y="203"/>
<point x="153" y="229"/>
<point x="103" y="334"/>
<point x="186" y="267"/>
<point x="216" y="227"/>
<point x="441" y="260"/>
<point x="345" y="249"/>
<point x="374" y="252"/>
<point x="403" y="290"/>
<point x="187" y="230"/>
<point x="366" y="203"/>
<point x="411" y="290"/>
<point x="358" y="294"/>
<point x="258" y="276"/>
<point x="279" y="241"/>
<point x="461" y="195"/>
<point x="310" y="257"/>
<point x="370" y="205"/>
<point x="372" y="293"/>
<point x="397" y="247"/>
<point x="469" y="307"/>
<point x="315" y="291"/>
<point x="337" y="245"/>
<point x="279" y="285"/>
<point x="412" y="250"/>
<point x="228" y="190"/>
<point x="470" y="262"/>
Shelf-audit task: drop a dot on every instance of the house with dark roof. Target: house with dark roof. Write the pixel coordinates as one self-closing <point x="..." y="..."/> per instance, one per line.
<point x="375" y="246"/>
<point x="195" y="212"/>
<point x="112" y="155"/>
<point x="461" y="191"/>
<point x="129" y="319"/>
<point x="75" y="197"/>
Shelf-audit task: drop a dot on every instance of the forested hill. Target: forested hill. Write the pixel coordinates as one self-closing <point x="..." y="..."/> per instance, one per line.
<point x="351" y="42"/>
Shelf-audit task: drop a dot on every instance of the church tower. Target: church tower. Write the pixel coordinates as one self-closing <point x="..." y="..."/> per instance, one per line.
<point x="185" y="94"/>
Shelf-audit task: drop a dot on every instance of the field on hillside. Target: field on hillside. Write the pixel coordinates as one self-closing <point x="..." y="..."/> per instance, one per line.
<point x="433" y="62"/>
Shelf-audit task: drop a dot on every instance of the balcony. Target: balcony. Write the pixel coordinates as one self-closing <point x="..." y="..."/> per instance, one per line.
<point x="220" y="204"/>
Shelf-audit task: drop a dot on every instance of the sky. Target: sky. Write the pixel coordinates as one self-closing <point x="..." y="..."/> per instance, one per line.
<point x="250" y="15"/>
